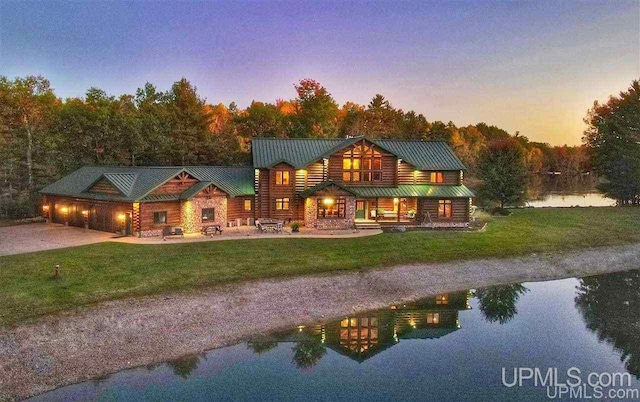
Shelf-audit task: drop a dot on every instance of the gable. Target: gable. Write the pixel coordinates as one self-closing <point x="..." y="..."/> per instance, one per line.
<point x="104" y="186"/>
<point x="176" y="185"/>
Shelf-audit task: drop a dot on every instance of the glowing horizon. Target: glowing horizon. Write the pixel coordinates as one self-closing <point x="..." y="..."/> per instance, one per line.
<point x="529" y="67"/>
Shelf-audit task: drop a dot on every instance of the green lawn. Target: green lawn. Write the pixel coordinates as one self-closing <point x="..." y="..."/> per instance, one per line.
<point x="112" y="270"/>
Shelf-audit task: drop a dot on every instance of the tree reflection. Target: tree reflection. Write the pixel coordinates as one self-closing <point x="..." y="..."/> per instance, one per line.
<point x="610" y="305"/>
<point x="184" y="366"/>
<point x="498" y="303"/>
<point x="262" y="345"/>
<point x="308" y="353"/>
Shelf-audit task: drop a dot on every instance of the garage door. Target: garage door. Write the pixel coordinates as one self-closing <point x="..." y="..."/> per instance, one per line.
<point x="101" y="217"/>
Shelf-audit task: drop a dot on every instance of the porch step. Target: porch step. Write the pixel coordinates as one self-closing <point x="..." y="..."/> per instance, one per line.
<point x="367" y="225"/>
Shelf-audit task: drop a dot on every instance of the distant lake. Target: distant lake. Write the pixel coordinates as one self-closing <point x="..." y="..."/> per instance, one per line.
<point x="450" y="347"/>
<point x="589" y="199"/>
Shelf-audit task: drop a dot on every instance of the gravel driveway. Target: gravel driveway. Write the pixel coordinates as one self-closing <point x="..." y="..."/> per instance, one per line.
<point x="46" y="236"/>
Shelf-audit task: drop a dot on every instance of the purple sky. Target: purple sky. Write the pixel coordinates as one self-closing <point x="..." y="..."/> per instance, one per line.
<point x="533" y="67"/>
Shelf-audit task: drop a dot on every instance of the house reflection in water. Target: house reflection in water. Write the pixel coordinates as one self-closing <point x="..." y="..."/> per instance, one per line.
<point x="362" y="336"/>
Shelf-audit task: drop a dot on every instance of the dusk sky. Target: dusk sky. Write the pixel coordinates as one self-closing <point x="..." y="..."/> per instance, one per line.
<point x="523" y="66"/>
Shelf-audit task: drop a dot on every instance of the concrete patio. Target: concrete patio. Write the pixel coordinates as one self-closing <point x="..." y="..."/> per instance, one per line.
<point x="47" y="236"/>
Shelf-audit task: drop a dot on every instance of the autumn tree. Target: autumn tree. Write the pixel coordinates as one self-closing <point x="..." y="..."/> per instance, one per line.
<point x="28" y="109"/>
<point x="316" y="113"/>
<point x="613" y="137"/>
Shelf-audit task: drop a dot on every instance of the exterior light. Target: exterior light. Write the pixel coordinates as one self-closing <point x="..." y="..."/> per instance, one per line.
<point x="327" y="201"/>
<point x="45" y="207"/>
<point x="85" y="214"/>
<point x="64" y="210"/>
<point x="395" y="200"/>
<point x="122" y="217"/>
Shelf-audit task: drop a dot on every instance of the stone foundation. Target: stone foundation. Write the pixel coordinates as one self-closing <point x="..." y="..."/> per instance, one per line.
<point x="311" y="215"/>
<point x="191" y="212"/>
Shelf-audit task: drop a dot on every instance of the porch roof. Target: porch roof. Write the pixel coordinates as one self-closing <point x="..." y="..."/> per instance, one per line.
<point x="413" y="190"/>
<point x="328" y="183"/>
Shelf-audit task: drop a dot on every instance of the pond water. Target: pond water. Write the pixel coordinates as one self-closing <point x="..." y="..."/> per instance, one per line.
<point x="451" y="347"/>
<point x="589" y="199"/>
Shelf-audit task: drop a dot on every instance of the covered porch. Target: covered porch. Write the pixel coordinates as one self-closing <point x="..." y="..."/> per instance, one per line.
<point x="387" y="210"/>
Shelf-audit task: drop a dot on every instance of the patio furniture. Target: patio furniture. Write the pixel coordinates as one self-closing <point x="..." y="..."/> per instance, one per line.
<point x="269" y="225"/>
<point x="169" y="231"/>
<point x="210" y="230"/>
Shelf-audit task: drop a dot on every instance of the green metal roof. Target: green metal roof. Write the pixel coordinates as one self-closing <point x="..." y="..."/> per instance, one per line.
<point x="235" y="181"/>
<point x="413" y="190"/>
<point x="122" y="181"/>
<point x="423" y="155"/>
<point x="137" y="182"/>
<point x="297" y="152"/>
<point x="310" y="191"/>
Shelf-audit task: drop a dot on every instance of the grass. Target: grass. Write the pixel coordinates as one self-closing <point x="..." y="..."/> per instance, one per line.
<point x="114" y="270"/>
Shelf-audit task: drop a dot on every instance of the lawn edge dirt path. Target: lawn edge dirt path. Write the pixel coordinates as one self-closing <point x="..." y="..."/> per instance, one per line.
<point x="90" y="342"/>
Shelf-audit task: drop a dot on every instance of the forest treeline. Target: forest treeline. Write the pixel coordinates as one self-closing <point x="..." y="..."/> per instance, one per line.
<point x="43" y="137"/>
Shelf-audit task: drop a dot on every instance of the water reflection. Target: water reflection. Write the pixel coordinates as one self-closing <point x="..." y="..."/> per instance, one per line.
<point x="449" y="347"/>
<point x="552" y="191"/>
<point x="185" y="365"/>
<point x="498" y="303"/>
<point x="361" y="336"/>
<point x="610" y="306"/>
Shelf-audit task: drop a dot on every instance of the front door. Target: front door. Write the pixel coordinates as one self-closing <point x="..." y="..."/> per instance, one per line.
<point x="360" y="209"/>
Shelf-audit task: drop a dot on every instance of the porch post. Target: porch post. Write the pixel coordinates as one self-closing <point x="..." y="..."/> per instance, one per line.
<point x="376" y="209"/>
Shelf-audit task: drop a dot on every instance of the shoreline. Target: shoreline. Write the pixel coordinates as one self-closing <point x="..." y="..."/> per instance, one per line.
<point x="101" y="339"/>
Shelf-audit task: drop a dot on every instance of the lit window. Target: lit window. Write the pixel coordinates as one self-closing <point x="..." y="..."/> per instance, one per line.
<point x="362" y="163"/>
<point x="331" y="208"/>
<point x="437" y="177"/>
<point x="444" y="208"/>
<point x="247" y="205"/>
<point x="207" y="214"/>
<point x="433" y="318"/>
<point x="282" y="204"/>
<point x="442" y="299"/>
<point x="282" y="177"/>
<point x="160" y="218"/>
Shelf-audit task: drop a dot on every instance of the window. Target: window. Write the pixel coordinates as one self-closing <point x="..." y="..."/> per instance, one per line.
<point x="331" y="208"/>
<point x="362" y="163"/>
<point x="247" y="205"/>
<point x="436" y="177"/>
<point x="160" y="218"/>
<point x="282" y="177"/>
<point x="282" y="204"/>
<point x="207" y="215"/>
<point x="442" y="299"/>
<point x="433" y="318"/>
<point x="444" y="208"/>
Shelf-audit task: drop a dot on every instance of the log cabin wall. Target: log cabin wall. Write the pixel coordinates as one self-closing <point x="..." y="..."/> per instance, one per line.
<point x="176" y="185"/>
<point x="407" y="174"/>
<point x="459" y="209"/>
<point x="389" y="172"/>
<point x="105" y="187"/>
<point x="262" y="209"/>
<point x="147" y="209"/>
<point x="284" y="191"/>
<point x="236" y="208"/>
